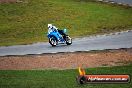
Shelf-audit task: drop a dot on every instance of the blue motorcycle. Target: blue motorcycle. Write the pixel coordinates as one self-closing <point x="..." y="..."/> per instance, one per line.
<point x="59" y="37"/>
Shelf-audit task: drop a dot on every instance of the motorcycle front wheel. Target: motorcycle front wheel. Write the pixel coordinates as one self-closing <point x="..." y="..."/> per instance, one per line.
<point x="53" y="41"/>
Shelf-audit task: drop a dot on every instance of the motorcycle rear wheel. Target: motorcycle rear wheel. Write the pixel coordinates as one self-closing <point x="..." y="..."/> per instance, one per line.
<point x="68" y="40"/>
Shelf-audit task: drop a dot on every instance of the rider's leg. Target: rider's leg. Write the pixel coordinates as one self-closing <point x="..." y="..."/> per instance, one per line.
<point x="62" y="33"/>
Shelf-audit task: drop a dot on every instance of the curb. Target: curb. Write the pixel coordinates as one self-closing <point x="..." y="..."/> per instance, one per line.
<point x="112" y="2"/>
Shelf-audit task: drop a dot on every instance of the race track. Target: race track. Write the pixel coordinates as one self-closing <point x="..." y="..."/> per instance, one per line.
<point x="122" y="1"/>
<point x="100" y="42"/>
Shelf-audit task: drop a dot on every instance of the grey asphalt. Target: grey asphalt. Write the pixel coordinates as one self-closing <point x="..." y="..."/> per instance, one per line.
<point x="100" y="42"/>
<point x="122" y="1"/>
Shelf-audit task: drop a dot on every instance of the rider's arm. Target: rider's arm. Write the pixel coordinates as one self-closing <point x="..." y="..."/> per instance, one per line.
<point x="49" y="30"/>
<point x="55" y="28"/>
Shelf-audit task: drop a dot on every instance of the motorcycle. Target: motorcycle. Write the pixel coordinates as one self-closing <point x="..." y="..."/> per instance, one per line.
<point x="56" y="38"/>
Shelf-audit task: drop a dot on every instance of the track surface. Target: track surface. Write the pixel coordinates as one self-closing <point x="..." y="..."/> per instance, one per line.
<point x="100" y="42"/>
<point x="122" y="1"/>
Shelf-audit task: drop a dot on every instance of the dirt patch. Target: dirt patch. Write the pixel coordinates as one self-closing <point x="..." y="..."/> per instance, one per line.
<point x="67" y="60"/>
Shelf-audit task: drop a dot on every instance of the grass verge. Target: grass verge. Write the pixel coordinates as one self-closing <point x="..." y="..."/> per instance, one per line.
<point x="58" y="78"/>
<point x="26" y="22"/>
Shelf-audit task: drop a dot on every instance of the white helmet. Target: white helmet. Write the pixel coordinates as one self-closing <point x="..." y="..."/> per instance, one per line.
<point x="50" y="25"/>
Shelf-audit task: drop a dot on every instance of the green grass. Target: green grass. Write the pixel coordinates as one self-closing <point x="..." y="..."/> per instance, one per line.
<point x="23" y="23"/>
<point x="58" y="78"/>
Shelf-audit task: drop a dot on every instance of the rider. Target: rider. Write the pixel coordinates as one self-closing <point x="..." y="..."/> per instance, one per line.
<point x="51" y="28"/>
<point x="54" y="28"/>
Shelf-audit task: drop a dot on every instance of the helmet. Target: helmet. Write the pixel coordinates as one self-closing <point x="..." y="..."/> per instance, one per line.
<point x="49" y="25"/>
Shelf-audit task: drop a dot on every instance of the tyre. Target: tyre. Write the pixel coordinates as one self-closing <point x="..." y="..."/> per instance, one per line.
<point x="68" y="40"/>
<point x="81" y="80"/>
<point x="53" y="41"/>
